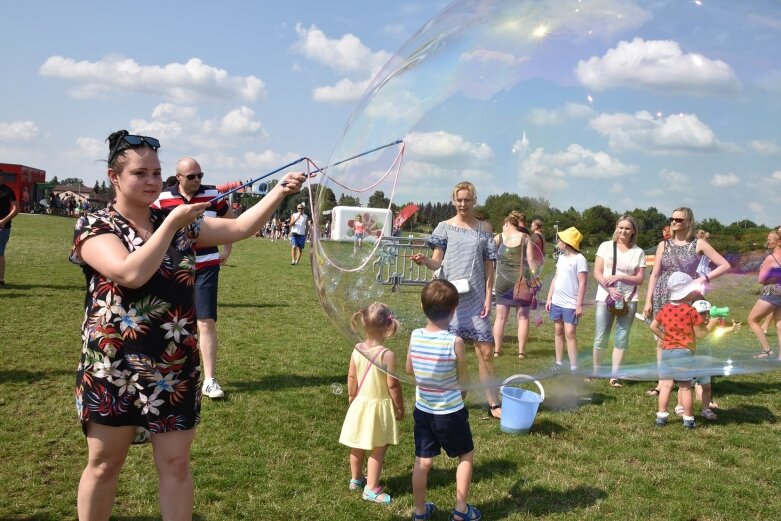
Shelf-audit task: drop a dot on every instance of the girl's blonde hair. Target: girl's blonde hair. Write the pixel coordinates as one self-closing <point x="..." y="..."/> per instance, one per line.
<point x="464" y="185"/>
<point x="376" y="320"/>
<point x="631" y="220"/>
<point x="689" y="221"/>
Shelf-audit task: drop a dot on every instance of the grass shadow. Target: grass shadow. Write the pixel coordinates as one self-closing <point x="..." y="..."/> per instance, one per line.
<point x="744" y="388"/>
<point x="441" y="477"/>
<point x="23" y="376"/>
<point x="251" y="305"/>
<point x="750" y="414"/>
<point x="276" y="382"/>
<point x="547" y="428"/>
<point x="9" y="286"/>
<point x="541" y="501"/>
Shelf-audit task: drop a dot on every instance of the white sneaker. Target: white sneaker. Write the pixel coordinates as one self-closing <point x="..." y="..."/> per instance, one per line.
<point x="212" y="389"/>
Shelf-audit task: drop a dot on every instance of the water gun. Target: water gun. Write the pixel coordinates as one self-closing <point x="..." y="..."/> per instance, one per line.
<point x="703" y="306"/>
<point x="719" y="312"/>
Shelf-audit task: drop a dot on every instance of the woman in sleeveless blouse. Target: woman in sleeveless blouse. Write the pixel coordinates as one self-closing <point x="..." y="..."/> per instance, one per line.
<point x="681" y="252"/>
<point x="769" y="303"/>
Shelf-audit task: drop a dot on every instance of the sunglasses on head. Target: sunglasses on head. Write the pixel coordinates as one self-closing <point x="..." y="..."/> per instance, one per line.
<point x="132" y="141"/>
<point x="677" y="220"/>
<point x="192" y="177"/>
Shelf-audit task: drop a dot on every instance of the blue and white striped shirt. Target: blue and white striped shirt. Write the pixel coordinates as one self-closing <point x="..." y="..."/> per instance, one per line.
<point x="434" y="363"/>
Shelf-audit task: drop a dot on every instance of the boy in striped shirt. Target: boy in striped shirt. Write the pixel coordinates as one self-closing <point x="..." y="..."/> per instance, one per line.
<point x="437" y="358"/>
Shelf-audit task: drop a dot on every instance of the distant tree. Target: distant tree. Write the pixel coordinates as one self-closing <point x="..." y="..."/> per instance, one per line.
<point x="326" y="197"/>
<point x="378" y="200"/>
<point x="348" y="200"/>
<point x="650" y="222"/>
<point x="96" y="188"/>
<point x="72" y="181"/>
<point x="103" y="187"/>
<point x="497" y="207"/>
<point x="54" y="180"/>
<point x="711" y="225"/>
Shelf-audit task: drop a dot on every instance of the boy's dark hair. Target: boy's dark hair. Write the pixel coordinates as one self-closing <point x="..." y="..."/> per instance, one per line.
<point x="439" y="298"/>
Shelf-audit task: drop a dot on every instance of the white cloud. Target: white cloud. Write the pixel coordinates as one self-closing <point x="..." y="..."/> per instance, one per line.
<point x="240" y="122"/>
<point x="757" y="208"/>
<point x="765" y="147"/>
<point x="776" y="175"/>
<point x="658" y="65"/>
<point x="346" y="55"/>
<point x="641" y="131"/>
<point x="675" y="181"/>
<point x="724" y="180"/>
<point x="174" y="81"/>
<point x="183" y="124"/>
<point x="345" y="90"/>
<point x="446" y="148"/>
<point x="548" y="173"/>
<point x="19" y="131"/>
<point x="568" y="112"/>
<point x="268" y="159"/>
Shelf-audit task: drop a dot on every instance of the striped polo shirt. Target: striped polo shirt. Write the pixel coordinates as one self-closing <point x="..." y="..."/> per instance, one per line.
<point x="171" y="197"/>
<point x="434" y="362"/>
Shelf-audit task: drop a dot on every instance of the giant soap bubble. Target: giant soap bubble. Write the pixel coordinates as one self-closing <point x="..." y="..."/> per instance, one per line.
<point x="605" y="105"/>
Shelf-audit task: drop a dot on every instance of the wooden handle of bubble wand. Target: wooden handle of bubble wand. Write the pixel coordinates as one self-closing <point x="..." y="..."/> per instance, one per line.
<point x="356" y="156"/>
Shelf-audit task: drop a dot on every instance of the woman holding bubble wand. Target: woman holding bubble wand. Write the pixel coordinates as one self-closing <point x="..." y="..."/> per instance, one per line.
<point x="464" y="248"/>
<point x="138" y="378"/>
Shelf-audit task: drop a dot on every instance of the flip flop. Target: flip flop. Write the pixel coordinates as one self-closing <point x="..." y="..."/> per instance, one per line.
<point x="491" y="411"/>
<point x="521" y="356"/>
<point x="615" y="382"/>
<point x="765" y="353"/>
<point x="653" y="392"/>
<point x="497" y="354"/>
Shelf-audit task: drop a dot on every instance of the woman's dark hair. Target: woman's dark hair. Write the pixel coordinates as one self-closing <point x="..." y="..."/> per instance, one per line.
<point x="117" y="148"/>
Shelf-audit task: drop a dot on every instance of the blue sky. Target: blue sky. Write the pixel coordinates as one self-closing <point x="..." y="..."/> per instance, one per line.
<point x="626" y="103"/>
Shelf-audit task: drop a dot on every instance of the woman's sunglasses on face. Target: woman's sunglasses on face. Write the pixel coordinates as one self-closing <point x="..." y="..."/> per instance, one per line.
<point x="677" y="220"/>
<point x="132" y="141"/>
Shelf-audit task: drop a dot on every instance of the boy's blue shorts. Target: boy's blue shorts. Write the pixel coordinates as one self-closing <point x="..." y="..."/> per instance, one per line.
<point x="434" y="432"/>
<point x="565" y="314"/>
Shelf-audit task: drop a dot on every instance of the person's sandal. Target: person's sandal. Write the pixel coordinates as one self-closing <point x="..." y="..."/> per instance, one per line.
<point x="497" y="354"/>
<point x="491" y="409"/>
<point x="471" y="514"/>
<point x="615" y="382"/>
<point x="653" y="392"/>
<point x="679" y="410"/>
<point x="521" y="356"/>
<point x="765" y="353"/>
<point x="357" y="484"/>
<point x="709" y="415"/>
<point x="376" y="495"/>
<point x="430" y="508"/>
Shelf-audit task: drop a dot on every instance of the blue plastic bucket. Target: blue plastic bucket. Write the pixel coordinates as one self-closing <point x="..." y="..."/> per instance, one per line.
<point x="519" y="406"/>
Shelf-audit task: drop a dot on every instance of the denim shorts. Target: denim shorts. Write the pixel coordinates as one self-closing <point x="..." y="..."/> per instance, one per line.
<point x="677" y="364"/>
<point x="603" y="323"/>
<point x="565" y="314"/>
<point x="5" y="234"/>
<point x="206" y="280"/>
<point x="298" y="241"/>
<point x="773" y="300"/>
<point x="434" y="432"/>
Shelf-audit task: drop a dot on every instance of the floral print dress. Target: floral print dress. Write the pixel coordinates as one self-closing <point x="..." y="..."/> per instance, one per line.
<point x="674" y="258"/>
<point x="139" y="358"/>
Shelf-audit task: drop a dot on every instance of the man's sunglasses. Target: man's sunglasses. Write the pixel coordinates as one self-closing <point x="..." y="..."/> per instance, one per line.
<point x="193" y="177"/>
<point x="132" y="141"/>
<point x="677" y="220"/>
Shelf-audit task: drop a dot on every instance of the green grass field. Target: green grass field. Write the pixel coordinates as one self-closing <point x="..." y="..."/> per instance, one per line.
<point x="270" y="451"/>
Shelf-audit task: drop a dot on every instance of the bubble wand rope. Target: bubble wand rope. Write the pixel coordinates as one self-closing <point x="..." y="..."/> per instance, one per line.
<point x="396" y="165"/>
<point x="299" y="160"/>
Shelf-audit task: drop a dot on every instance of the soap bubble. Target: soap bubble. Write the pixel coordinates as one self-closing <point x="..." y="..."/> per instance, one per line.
<point x="565" y="105"/>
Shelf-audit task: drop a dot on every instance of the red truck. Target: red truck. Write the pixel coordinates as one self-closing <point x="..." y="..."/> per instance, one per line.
<point x="23" y="181"/>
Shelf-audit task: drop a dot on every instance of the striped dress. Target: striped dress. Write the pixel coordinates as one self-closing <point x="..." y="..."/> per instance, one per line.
<point x="465" y="252"/>
<point x="434" y="364"/>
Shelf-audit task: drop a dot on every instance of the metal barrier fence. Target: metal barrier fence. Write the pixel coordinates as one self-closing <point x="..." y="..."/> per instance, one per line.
<point x="393" y="265"/>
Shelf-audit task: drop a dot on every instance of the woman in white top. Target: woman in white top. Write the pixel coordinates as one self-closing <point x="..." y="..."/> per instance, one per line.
<point x="629" y="264"/>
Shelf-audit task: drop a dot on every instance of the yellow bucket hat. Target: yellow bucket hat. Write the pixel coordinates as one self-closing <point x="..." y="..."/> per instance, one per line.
<point x="571" y="237"/>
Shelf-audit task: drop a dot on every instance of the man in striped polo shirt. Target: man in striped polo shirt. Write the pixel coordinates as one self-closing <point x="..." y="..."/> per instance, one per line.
<point x="189" y="190"/>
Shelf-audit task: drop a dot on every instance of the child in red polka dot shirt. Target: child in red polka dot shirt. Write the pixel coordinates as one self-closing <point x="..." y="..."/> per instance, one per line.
<point x="679" y="325"/>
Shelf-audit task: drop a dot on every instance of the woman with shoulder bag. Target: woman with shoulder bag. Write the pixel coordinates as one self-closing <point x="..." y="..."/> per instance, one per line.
<point x="619" y="268"/>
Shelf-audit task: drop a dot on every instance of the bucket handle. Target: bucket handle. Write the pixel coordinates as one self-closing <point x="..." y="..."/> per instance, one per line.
<point x="520" y="378"/>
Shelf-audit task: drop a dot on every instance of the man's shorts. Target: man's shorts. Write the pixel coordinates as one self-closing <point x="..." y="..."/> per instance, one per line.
<point x="5" y="234"/>
<point x="434" y="432"/>
<point x="565" y="314"/>
<point x="206" y="292"/>
<point x="298" y="241"/>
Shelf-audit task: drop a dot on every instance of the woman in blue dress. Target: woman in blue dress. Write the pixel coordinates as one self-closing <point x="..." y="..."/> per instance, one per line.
<point x="464" y="247"/>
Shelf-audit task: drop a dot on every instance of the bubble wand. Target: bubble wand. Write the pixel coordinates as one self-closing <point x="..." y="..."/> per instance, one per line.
<point x="310" y="174"/>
